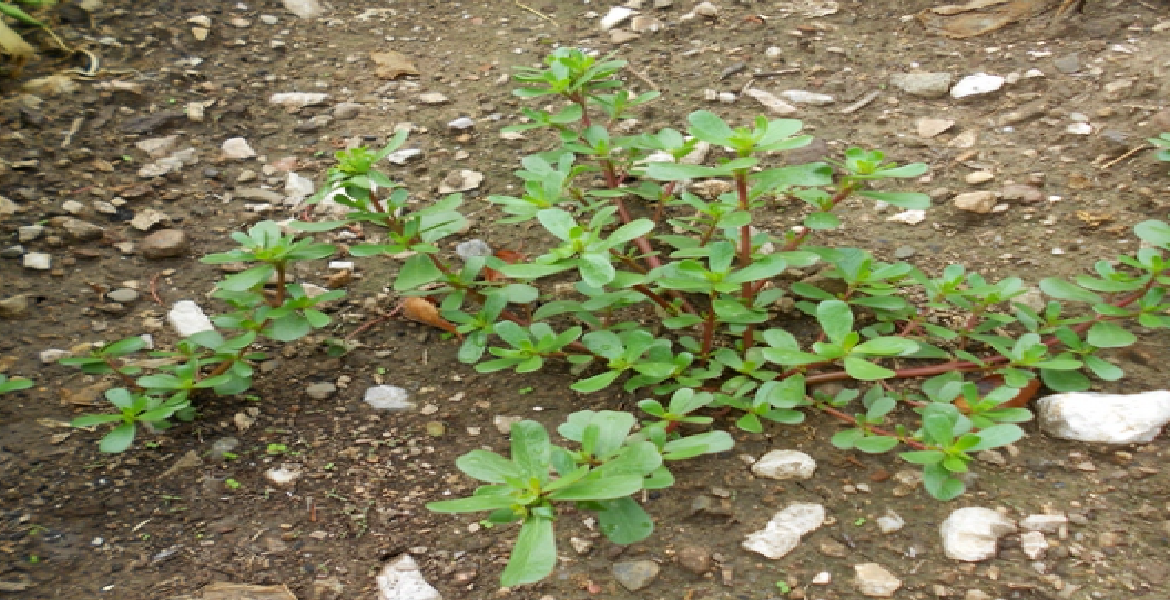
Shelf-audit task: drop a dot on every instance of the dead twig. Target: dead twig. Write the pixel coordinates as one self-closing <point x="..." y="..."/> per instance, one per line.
<point x="1125" y="156"/>
<point x="862" y="102"/>
<point x="382" y="318"/>
<point x="154" y="289"/>
<point x="643" y="77"/>
<point x="538" y="13"/>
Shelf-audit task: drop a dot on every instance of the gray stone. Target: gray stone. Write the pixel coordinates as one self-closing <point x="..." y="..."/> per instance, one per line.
<point x="977" y="202"/>
<point x="902" y="252"/>
<point x="123" y="295"/>
<point x="237" y="148"/>
<point x="890" y="522"/>
<point x="925" y="85"/>
<point x="29" y="233"/>
<point x="388" y="397"/>
<point x="82" y="230"/>
<point x="695" y="559"/>
<point x="635" y="574"/>
<point x="165" y="243"/>
<point x="321" y="391"/>
<point x="223" y="446"/>
<point x="1018" y="192"/>
<point x="1068" y="64"/>
<point x="38" y="260"/>
<point x="346" y="111"/>
<point x="16" y="251"/>
<point x="15" y="307"/>
<point x="470" y="248"/>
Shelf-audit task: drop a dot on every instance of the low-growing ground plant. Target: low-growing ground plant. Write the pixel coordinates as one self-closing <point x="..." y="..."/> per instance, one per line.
<point x="660" y="279"/>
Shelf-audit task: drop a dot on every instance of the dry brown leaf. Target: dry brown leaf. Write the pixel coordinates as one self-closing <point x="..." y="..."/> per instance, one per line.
<point x="420" y="311"/>
<point x="392" y="65"/>
<point x="509" y="256"/>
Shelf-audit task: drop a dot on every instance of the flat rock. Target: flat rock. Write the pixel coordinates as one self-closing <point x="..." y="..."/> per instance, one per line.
<point x="147" y="218"/>
<point x="1018" y="192"/>
<point x="298" y="99"/>
<point x="14" y="307"/>
<point x="401" y="579"/>
<point x="1105" y="418"/>
<point x="977" y="85"/>
<point x="971" y="534"/>
<point x="785" y="464"/>
<point x="977" y="202"/>
<point x="635" y="574"/>
<point x="875" y="580"/>
<point x="770" y="101"/>
<point x="433" y="98"/>
<point x="460" y="181"/>
<point x="237" y="148"/>
<point x="38" y="261"/>
<point x="616" y="16"/>
<point x="320" y="391"/>
<point x="153" y="123"/>
<point x="346" y="111"/>
<point x="305" y="9"/>
<point x="165" y="243"/>
<point x="929" y="128"/>
<point x="782" y="534"/>
<point x="924" y="85"/>
<point x="392" y="65"/>
<point x="79" y="229"/>
<point x="239" y="591"/>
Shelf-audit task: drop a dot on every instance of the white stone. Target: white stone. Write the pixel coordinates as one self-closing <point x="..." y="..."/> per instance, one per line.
<point x="774" y="105"/>
<point x="785" y="464"/>
<point x="782" y="534"/>
<point x="433" y="98"/>
<point x="388" y="397"/>
<point x="158" y="147"/>
<point x="38" y="260"/>
<point x="971" y="534"/>
<point x="979" y="177"/>
<point x="929" y="128"/>
<point x="297" y="188"/>
<point x="298" y="99"/>
<point x="462" y="123"/>
<point x="470" y="248"/>
<point x="188" y="319"/>
<point x="890" y="522"/>
<point x="237" y="148"/>
<point x="1079" y="129"/>
<point x="1033" y="544"/>
<point x="53" y="355"/>
<point x="616" y="16"/>
<point x="284" y="474"/>
<point x="911" y="216"/>
<point x="976" y="202"/>
<point x="399" y="157"/>
<point x="305" y="9"/>
<point x="1044" y="523"/>
<point x="460" y="181"/>
<point x="875" y="580"/>
<point x="822" y="578"/>
<point x="707" y="9"/>
<point x="401" y="579"/>
<point x="200" y="20"/>
<point x="806" y="97"/>
<point x="974" y="85"/>
<point x="1106" y="418"/>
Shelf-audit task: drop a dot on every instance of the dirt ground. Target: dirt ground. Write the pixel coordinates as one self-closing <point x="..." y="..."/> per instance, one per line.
<point x="152" y="523"/>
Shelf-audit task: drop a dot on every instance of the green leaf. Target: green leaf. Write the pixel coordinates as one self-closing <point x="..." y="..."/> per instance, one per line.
<point x="822" y="220"/>
<point x="836" y="318"/>
<point x="161" y="381"/>
<point x="531" y="450"/>
<point x="487" y="466"/>
<point x="418" y="270"/>
<point x="996" y="436"/>
<point x="531" y="270"/>
<point x="1106" y="334"/>
<point x="908" y="200"/>
<point x="1066" y="290"/>
<point x="710" y="442"/>
<point x="472" y="504"/>
<point x="1065" y="381"/>
<point x="629" y="231"/>
<point x="887" y="346"/>
<point x="1154" y="232"/>
<point x="535" y="554"/>
<point x="91" y="420"/>
<point x="940" y="484"/>
<point x="607" y="488"/>
<point x="939" y="428"/>
<point x="558" y="222"/>
<point x="710" y="127"/>
<point x="750" y="423"/>
<point x="118" y="439"/>
<point x="864" y="370"/>
<point x="623" y="521"/>
<point x="923" y="457"/>
<point x="876" y="444"/>
<point x="666" y="171"/>
<point x="595" y="383"/>
<point x="246" y="280"/>
<point x="1103" y="368"/>
<point x="764" y="268"/>
<point x="596" y="269"/>
<point x="123" y="347"/>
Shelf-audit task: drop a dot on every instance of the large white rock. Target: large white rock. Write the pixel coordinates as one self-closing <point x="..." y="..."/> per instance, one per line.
<point x="388" y="397"/>
<point x="616" y="16"/>
<point x="971" y="533"/>
<point x="783" y="532"/>
<point x="188" y="319"/>
<point x="974" y="85"/>
<point x="1106" y="418"/>
<point x="402" y="580"/>
<point x="875" y="580"/>
<point x="785" y="464"/>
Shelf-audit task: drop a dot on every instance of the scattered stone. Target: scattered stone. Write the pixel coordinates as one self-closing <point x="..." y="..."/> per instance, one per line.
<point x="911" y="216"/>
<point x="73" y="207"/>
<point x="929" y="128"/>
<point x="150" y="123"/>
<point x="392" y="65"/>
<point x="875" y="580"/>
<point x="645" y="24"/>
<point x="148" y="218"/>
<point x="460" y="181"/>
<point x="15" y="307"/>
<point x="171" y="164"/>
<point x="806" y="97"/>
<point x="400" y="157"/>
<point x="165" y="243"/>
<point x="53" y="355"/>
<point x="313" y="124"/>
<point x="321" y="391"/>
<point x="388" y="397"/>
<point x="785" y="464"/>
<point x="237" y="148"/>
<point x="581" y="546"/>
<point x="222" y="447"/>
<point x="1105" y="418"/>
<point x="977" y="84"/>
<point x="8" y="207"/>
<point x="305" y="9"/>
<point x="346" y="111"/>
<point x="1018" y="192"/>
<point x="1079" y="128"/>
<point x="971" y="534"/>
<point x="285" y="474"/>
<point x="16" y="251"/>
<point x="401" y="579"/>
<point x="38" y="261"/>
<point x="783" y="532"/>
<point x="158" y="147"/>
<point x="81" y="230"/>
<point x="1033" y="544"/>
<point x="695" y="559"/>
<point x="474" y="247"/>
<point x="190" y="460"/>
<point x="707" y="9"/>
<point x="433" y="98"/>
<point x="904" y="252"/>
<point x="123" y="295"/>
<point x="890" y="522"/>
<point x="924" y="85"/>
<point x="259" y="194"/>
<point x="977" y="202"/>
<point x="1044" y="523"/>
<point x="774" y="105"/>
<point x="979" y="177"/>
<point x="616" y="16"/>
<point x="504" y="423"/>
<point x="1068" y="64"/>
<point x="462" y="123"/>
<point x="298" y="99"/>
<point x="635" y="574"/>
<point x="187" y="318"/>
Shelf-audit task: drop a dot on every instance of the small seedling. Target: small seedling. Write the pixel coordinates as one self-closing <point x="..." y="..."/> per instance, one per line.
<point x="276" y="449"/>
<point x="525" y="390"/>
<point x="232" y="484"/>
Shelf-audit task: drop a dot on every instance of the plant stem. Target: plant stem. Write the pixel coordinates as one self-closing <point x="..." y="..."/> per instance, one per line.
<point x="709" y="329"/>
<point x="852" y="421"/>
